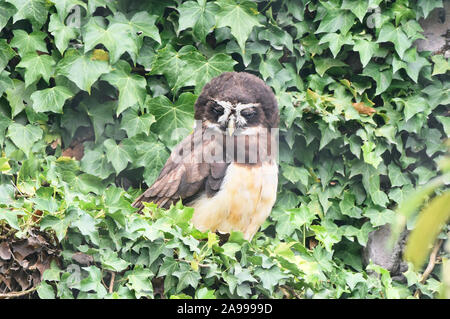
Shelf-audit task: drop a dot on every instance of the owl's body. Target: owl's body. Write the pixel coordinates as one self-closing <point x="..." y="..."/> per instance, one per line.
<point x="243" y="202"/>
<point x="230" y="179"/>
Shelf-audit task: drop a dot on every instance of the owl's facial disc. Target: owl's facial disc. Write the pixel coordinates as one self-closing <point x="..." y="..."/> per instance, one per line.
<point x="234" y="115"/>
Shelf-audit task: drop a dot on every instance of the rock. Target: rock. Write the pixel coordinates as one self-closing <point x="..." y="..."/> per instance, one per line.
<point x="377" y="251"/>
<point x="436" y="29"/>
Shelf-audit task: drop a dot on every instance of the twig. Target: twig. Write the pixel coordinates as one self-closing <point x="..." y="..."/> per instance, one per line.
<point x="111" y="282"/>
<point x="430" y="266"/>
<point x="17" y="293"/>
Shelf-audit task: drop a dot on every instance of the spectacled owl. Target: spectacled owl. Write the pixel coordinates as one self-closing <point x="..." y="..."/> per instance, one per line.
<point x="227" y="168"/>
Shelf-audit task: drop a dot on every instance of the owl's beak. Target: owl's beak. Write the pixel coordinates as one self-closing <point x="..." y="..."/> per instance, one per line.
<point x="231" y="127"/>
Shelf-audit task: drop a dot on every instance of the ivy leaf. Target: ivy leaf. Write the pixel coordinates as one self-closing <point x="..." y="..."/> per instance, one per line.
<point x="37" y="66"/>
<point x="134" y="124"/>
<point x="51" y="99"/>
<point x="371" y="182"/>
<point x="131" y="86"/>
<point x="17" y="95"/>
<point x="198" y="15"/>
<point x="295" y="174"/>
<point x="145" y="23"/>
<point x="240" y="17"/>
<point x="99" y="113"/>
<point x="382" y="78"/>
<point x="428" y="5"/>
<point x="34" y="11"/>
<point x="170" y="63"/>
<point x="336" y="20"/>
<point x="324" y="64"/>
<point x="6" y="54"/>
<point x="63" y="7"/>
<point x="62" y="33"/>
<point x="186" y="277"/>
<point x="336" y="41"/>
<point x="389" y="33"/>
<point x="24" y="136"/>
<point x="358" y="7"/>
<point x="81" y="69"/>
<point x="396" y="176"/>
<point x="366" y="50"/>
<point x="26" y="43"/>
<point x="94" y="162"/>
<point x="204" y="69"/>
<point x="116" y="155"/>
<point x="118" y="38"/>
<point x="139" y="279"/>
<point x="7" y="10"/>
<point x="173" y="121"/>
<point x="151" y="154"/>
<point x="441" y="65"/>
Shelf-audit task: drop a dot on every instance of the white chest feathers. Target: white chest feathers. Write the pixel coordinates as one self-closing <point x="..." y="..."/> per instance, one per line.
<point x="243" y="203"/>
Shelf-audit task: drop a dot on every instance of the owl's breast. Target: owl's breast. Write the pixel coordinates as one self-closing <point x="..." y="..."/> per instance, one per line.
<point x="243" y="202"/>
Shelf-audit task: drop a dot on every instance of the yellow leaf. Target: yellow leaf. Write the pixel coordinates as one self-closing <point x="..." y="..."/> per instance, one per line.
<point x="430" y="222"/>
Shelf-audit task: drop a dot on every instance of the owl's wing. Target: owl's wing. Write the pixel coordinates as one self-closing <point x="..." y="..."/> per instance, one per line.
<point x="185" y="175"/>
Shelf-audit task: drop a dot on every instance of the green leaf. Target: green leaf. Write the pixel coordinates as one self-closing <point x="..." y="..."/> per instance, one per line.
<point x="204" y="69"/>
<point x="336" y="41"/>
<point x="29" y="43"/>
<point x="428" y="5"/>
<point x="336" y="20"/>
<point x="170" y="63"/>
<point x="9" y="216"/>
<point x="65" y="6"/>
<point x="118" y="38"/>
<point x="295" y="174"/>
<point x="7" y="10"/>
<point x="441" y="65"/>
<point x="51" y="100"/>
<point x="116" y="155"/>
<point x="81" y="69"/>
<point x="198" y="15"/>
<point x="37" y="66"/>
<point x="389" y="33"/>
<point x="371" y="182"/>
<point x="62" y="33"/>
<point x="17" y="95"/>
<point x="186" y="277"/>
<point x="24" y="137"/>
<point x="45" y="291"/>
<point x="6" y="54"/>
<point x="173" y="121"/>
<point x="96" y="163"/>
<point x="132" y="87"/>
<point x="34" y="11"/>
<point x="134" y="124"/>
<point x="358" y="7"/>
<point x="145" y="23"/>
<point x="240" y="17"/>
<point x="111" y="261"/>
<point x="382" y="78"/>
<point x="324" y="64"/>
<point x="139" y="279"/>
<point x="366" y="50"/>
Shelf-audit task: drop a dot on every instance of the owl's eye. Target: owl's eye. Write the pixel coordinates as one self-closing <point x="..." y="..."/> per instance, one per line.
<point x="217" y="109"/>
<point x="248" y="113"/>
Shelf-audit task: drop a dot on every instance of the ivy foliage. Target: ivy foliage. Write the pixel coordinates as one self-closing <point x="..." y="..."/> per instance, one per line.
<point x="95" y="93"/>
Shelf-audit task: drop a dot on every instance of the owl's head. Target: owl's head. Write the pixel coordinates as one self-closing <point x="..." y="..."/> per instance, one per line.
<point x="237" y="101"/>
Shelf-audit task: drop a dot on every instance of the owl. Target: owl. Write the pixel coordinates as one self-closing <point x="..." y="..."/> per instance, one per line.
<point x="227" y="168"/>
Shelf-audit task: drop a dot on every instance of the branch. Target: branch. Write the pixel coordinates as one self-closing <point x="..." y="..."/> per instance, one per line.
<point x="17" y="293"/>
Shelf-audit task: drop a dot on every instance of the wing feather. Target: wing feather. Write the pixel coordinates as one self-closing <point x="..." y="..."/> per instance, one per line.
<point x="184" y="176"/>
